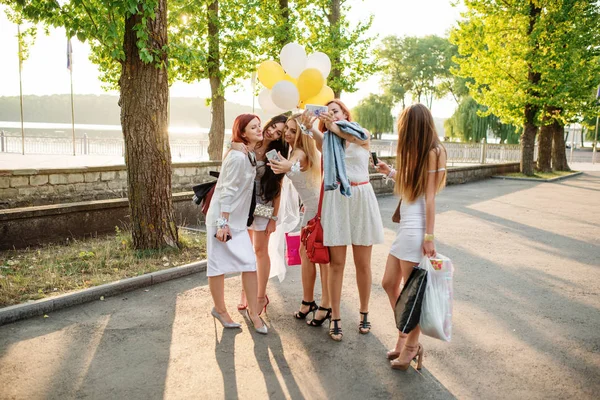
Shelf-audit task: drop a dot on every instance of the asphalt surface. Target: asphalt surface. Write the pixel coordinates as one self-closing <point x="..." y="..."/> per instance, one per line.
<point x="526" y="320"/>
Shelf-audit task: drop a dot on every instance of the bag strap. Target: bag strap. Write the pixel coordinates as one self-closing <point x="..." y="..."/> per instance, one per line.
<point x="322" y="189"/>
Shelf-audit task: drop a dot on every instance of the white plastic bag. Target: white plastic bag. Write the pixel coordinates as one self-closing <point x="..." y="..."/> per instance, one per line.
<point x="436" y="313"/>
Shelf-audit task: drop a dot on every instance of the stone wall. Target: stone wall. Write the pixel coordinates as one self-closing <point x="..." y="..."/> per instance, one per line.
<point x="22" y="227"/>
<point x="23" y="188"/>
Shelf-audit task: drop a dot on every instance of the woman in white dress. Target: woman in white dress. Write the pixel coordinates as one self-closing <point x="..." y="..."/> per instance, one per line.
<point x="304" y="170"/>
<point x="349" y="221"/>
<point x="229" y="248"/>
<point x="268" y="191"/>
<point x="420" y="174"/>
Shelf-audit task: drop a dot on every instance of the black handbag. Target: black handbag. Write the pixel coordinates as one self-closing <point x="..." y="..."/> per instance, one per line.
<point x="201" y="190"/>
<point x="408" y="306"/>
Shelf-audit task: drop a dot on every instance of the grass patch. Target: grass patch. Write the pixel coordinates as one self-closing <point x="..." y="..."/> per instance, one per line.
<point x="541" y="175"/>
<point x="35" y="273"/>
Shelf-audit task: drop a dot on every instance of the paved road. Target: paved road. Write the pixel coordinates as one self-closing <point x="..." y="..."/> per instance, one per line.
<point x="526" y="321"/>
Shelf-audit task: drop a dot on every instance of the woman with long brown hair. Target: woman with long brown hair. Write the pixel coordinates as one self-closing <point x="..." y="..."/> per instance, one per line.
<point x="419" y="175"/>
<point x="268" y="191"/>
<point x="304" y="170"/>
<point x="228" y="244"/>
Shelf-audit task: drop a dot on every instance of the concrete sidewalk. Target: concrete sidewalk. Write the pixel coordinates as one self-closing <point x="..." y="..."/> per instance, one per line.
<point x="526" y="318"/>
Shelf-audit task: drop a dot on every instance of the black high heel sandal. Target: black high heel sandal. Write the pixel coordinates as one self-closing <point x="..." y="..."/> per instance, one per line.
<point x="311" y="309"/>
<point x="364" y="326"/>
<point x="336" y="330"/>
<point x="319" y="322"/>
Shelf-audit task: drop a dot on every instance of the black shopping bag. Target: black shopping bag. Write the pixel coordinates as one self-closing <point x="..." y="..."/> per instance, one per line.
<point x="408" y="306"/>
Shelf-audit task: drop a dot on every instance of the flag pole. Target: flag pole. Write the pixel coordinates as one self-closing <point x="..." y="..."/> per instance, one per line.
<point x="21" y="90"/>
<point x="70" y="66"/>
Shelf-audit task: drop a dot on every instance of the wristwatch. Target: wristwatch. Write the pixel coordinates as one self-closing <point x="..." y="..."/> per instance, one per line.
<point x="274" y="218"/>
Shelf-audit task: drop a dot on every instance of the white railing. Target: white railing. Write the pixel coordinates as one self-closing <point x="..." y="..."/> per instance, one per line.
<point x="477" y="153"/>
<point x="188" y="149"/>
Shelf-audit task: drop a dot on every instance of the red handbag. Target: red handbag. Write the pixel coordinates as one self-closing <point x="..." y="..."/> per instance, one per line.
<point x="312" y="237"/>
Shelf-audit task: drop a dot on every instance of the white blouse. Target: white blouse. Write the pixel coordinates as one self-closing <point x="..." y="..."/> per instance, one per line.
<point x="233" y="193"/>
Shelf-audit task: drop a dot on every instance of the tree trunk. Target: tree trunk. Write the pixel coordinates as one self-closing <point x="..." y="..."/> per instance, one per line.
<point x="559" y="152"/>
<point x="530" y="129"/>
<point x="144" y="114"/>
<point x="216" y="135"/>
<point x="545" y="143"/>
<point x="528" y="141"/>
<point x="336" y="61"/>
<point x="286" y="34"/>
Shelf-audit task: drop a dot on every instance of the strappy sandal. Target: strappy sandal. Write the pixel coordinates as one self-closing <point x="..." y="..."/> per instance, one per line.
<point x="312" y="307"/>
<point x="364" y="326"/>
<point x="319" y="322"/>
<point x="336" y="332"/>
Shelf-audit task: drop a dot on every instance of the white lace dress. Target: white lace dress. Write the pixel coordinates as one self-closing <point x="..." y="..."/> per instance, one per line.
<point x="354" y="220"/>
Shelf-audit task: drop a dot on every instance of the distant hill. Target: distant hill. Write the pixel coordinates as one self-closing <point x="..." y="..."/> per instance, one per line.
<point x="104" y="110"/>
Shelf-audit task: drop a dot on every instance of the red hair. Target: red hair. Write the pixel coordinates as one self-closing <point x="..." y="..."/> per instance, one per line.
<point x="239" y="125"/>
<point x="344" y="109"/>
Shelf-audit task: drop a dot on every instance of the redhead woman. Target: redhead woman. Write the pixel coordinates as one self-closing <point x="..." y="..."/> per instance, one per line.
<point x="350" y="214"/>
<point x="229" y="247"/>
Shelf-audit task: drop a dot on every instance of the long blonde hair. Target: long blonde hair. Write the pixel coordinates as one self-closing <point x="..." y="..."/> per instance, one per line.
<point x="308" y="146"/>
<point x="417" y="136"/>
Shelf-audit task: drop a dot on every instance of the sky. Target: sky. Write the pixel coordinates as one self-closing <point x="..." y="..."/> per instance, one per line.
<point x="45" y="72"/>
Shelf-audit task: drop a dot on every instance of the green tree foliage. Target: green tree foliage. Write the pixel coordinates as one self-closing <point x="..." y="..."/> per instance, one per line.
<point x="471" y="123"/>
<point x="375" y="114"/>
<point x="419" y="66"/>
<point x="129" y="43"/>
<point x="532" y="63"/>
<point x="327" y="29"/>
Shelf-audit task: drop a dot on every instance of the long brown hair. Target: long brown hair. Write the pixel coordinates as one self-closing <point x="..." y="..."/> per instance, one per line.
<point x="417" y="136"/>
<point x="308" y="146"/>
<point x="344" y="109"/>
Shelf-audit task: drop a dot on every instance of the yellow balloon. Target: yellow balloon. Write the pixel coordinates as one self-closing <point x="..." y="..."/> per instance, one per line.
<point x="301" y="105"/>
<point x="269" y="73"/>
<point x="325" y="96"/>
<point x="310" y="83"/>
<point x="289" y="78"/>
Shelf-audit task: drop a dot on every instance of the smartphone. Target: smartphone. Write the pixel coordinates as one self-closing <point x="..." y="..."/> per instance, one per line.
<point x="374" y="157"/>
<point x="316" y="110"/>
<point x="227" y="239"/>
<point x="272" y="155"/>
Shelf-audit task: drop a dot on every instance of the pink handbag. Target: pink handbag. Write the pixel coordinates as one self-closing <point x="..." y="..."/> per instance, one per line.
<point x="292" y="244"/>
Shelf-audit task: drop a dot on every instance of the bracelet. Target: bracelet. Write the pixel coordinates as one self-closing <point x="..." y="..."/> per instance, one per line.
<point x="221" y="222"/>
<point x="390" y="176"/>
<point x="305" y="130"/>
<point x="428" y="237"/>
<point x="295" y="167"/>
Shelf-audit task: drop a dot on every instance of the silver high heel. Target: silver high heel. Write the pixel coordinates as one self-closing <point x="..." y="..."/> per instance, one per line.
<point x="230" y="325"/>
<point x="263" y="329"/>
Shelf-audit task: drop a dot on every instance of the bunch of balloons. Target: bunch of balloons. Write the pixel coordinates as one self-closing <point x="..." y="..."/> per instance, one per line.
<point x="297" y="81"/>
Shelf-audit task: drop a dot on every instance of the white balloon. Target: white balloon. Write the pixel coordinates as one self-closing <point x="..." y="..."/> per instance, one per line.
<point x="319" y="61"/>
<point x="285" y="95"/>
<point x="293" y="59"/>
<point x="265" y="102"/>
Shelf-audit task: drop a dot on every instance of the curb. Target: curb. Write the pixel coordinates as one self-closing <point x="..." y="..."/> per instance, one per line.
<point x="558" y="178"/>
<point x="44" y="306"/>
